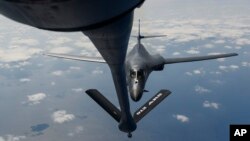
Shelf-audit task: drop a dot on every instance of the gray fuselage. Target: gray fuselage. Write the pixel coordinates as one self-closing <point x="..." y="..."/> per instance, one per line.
<point x="108" y="25"/>
<point x="139" y="64"/>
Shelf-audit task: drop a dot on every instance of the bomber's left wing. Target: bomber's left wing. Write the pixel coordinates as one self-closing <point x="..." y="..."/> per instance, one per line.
<point x="198" y="58"/>
<point x="79" y="58"/>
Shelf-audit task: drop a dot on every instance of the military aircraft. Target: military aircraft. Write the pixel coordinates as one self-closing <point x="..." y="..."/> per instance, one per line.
<point x="108" y="25"/>
<point x="139" y="64"/>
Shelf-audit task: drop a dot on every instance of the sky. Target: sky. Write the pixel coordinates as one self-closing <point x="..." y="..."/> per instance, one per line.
<point x="42" y="98"/>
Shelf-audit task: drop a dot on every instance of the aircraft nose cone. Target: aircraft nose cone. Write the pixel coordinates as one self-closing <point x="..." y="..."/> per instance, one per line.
<point x="136" y="95"/>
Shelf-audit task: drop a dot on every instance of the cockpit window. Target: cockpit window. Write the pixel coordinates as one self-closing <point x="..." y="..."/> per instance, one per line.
<point x="132" y="74"/>
<point x="139" y="74"/>
<point x="136" y="74"/>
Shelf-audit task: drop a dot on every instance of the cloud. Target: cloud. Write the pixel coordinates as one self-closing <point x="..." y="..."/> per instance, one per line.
<point x="12" y="138"/>
<point x="74" y="68"/>
<point x="24" y="63"/>
<point x="193" y="51"/>
<point x="189" y="73"/>
<point x="199" y="71"/>
<point x="229" y="68"/>
<point x="86" y="44"/>
<point x="242" y="41"/>
<point x="217" y="82"/>
<point x="181" y="118"/>
<point x="39" y="65"/>
<point x="176" y="53"/>
<point x="57" y="73"/>
<point x="17" y="54"/>
<point x="61" y="116"/>
<point x="77" y="130"/>
<point x="77" y="90"/>
<point x="59" y="41"/>
<point x="212" y="105"/>
<point x="186" y="38"/>
<point x="61" y="50"/>
<point x="53" y="83"/>
<point x="24" y="80"/>
<point x="219" y="41"/>
<point x="97" y="71"/>
<point x="14" y="65"/>
<point x="245" y="64"/>
<point x="233" y="67"/>
<point x="88" y="49"/>
<point x="223" y="68"/>
<point x="36" y="98"/>
<point x="159" y="49"/>
<point x="228" y="47"/>
<point x="209" y="46"/>
<point x="221" y="59"/>
<point x="189" y="30"/>
<point x="199" y="89"/>
<point x="238" y="47"/>
<point x="24" y="41"/>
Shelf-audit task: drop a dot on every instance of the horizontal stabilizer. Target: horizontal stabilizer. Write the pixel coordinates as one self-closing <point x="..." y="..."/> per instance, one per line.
<point x="79" y="58"/>
<point x="139" y="37"/>
<point x="105" y="104"/>
<point x="198" y="58"/>
<point x="151" y="104"/>
<point x="152" y="36"/>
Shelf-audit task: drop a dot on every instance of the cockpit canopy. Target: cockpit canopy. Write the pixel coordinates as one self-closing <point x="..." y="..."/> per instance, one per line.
<point x="139" y="74"/>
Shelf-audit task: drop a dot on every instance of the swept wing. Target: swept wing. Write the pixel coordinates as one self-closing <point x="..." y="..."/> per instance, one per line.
<point x="79" y="58"/>
<point x="198" y="58"/>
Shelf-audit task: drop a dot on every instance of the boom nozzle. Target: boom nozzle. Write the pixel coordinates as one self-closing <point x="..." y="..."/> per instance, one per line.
<point x="129" y="135"/>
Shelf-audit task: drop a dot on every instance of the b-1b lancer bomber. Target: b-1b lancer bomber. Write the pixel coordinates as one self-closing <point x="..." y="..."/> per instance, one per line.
<point x="107" y="23"/>
<point x="138" y="65"/>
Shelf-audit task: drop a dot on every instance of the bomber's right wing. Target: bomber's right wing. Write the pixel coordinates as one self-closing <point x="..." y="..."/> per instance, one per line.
<point x="198" y="58"/>
<point x="79" y="58"/>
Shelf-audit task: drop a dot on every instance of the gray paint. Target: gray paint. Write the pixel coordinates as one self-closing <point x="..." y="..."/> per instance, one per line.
<point x="112" y="41"/>
<point x="140" y="63"/>
<point x="109" y="25"/>
<point x="109" y="29"/>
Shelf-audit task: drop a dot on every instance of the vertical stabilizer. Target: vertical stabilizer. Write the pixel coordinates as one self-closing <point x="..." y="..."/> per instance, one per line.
<point x="139" y="36"/>
<point x="139" y="32"/>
